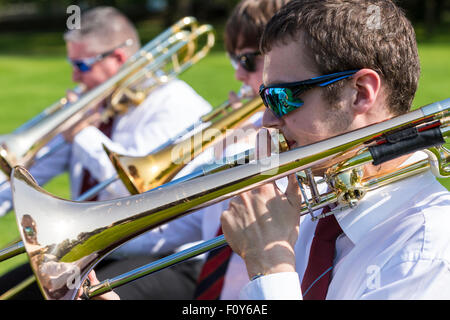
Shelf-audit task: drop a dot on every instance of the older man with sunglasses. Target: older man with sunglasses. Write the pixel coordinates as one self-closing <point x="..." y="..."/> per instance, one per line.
<point x="96" y="52"/>
<point x="326" y="72"/>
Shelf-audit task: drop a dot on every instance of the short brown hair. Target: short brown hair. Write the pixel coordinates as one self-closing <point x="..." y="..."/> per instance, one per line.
<point x="342" y="35"/>
<point x="246" y="24"/>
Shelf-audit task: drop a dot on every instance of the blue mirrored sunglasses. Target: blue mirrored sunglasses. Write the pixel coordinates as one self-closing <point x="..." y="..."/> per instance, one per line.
<point x="85" y="65"/>
<point x="283" y="98"/>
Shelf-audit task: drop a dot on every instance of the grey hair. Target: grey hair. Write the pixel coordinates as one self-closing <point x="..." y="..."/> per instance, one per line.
<point x="105" y="28"/>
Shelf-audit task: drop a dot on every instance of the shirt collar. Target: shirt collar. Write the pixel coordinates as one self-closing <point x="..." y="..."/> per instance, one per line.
<point x="377" y="206"/>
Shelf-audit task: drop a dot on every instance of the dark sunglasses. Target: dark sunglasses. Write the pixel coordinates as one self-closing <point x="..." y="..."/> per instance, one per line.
<point x="283" y="98"/>
<point x="246" y="60"/>
<point x="85" y="65"/>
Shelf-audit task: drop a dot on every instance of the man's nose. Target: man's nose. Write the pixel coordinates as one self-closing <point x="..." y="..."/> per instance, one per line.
<point x="76" y="75"/>
<point x="241" y="74"/>
<point x="270" y="120"/>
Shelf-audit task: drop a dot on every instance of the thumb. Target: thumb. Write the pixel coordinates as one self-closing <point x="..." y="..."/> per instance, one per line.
<point x="293" y="192"/>
<point x="263" y="147"/>
<point x="233" y="97"/>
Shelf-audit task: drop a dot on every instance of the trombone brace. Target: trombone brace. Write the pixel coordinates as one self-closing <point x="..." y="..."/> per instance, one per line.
<point x="404" y="142"/>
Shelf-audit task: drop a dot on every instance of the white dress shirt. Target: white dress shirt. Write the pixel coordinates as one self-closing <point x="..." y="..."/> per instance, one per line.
<point x="168" y="110"/>
<point x="395" y="245"/>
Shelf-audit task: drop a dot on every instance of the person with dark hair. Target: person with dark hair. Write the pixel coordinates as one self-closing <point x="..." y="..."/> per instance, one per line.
<point x="224" y="281"/>
<point x="394" y="244"/>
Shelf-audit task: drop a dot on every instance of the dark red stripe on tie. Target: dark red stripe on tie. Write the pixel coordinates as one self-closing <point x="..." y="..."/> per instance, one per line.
<point x="212" y="276"/>
<point x="88" y="180"/>
<point x="215" y="260"/>
<point x="320" y="264"/>
<point x="213" y="292"/>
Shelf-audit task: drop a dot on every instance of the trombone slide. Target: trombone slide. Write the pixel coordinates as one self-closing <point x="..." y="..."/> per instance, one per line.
<point x="66" y="239"/>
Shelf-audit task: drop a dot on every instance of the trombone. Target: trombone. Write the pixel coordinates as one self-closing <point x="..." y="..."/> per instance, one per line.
<point x="171" y="53"/>
<point x="220" y="119"/>
<point x="62" y="251"/>
<point x="217" y="122"/>
<point x="166" y="56"/>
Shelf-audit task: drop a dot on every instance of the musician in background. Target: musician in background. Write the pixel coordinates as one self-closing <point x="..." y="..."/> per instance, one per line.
<point x="242" y="33"/>
<point x="97" y="51"/>
<point x="395" y="244"/>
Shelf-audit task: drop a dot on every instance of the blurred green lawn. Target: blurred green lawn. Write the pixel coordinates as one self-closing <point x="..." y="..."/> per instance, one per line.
<point x="34" y="73"/>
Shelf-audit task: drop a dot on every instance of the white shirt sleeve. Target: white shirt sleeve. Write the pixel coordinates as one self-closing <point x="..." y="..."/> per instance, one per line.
<point x="276" y="286"/>
<point x="166" y="112"/>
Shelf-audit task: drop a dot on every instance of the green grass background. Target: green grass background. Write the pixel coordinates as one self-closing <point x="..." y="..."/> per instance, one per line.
<point x="34" y="73"/>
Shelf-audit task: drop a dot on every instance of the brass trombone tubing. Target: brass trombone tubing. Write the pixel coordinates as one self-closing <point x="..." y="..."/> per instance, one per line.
<point x="140" y="174"/>
<point x="78" y="90"/>
<point x="12" y="250"/>
<point x="166" y="262"/>
<point x="120" y="220"/>
<point x="182" y="39"/>
<point x="20" y="149"/>
<point x="215" y="243"/>
<point x="210" y="116"/>
<point x="182" y="24"/>
<point x="226" y="163"/>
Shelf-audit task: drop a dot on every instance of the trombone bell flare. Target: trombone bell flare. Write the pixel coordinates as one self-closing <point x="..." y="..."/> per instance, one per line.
<point x="140" y="174"/>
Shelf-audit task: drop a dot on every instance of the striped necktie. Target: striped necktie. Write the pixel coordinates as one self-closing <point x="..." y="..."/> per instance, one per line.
<point x="211" y="279"/>
<point x="318" y="272"/>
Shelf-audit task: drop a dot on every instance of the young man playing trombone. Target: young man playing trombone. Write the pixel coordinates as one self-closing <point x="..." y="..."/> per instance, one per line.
<point x="395" y="243"/>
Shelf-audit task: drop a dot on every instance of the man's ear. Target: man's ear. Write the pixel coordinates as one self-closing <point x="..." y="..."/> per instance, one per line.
<point x="120" y="55"/>
<point x="367" y="83"/>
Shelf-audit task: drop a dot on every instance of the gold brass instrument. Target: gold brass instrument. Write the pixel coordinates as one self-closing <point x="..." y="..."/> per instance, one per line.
<point x="78" y="91"/>
<point x="166" y="56"/>
<point x="225" y="112"/>
<point x="176" y="48"/>
<point x="220" y="119"/>
<point x="62" y="251"/>
<point x="140" y="174"/>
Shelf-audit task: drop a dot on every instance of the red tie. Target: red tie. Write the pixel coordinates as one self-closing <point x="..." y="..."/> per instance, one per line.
<point x="318" y="272"/>
<point x="88" y="181"/>
<point x="210" y="281"/>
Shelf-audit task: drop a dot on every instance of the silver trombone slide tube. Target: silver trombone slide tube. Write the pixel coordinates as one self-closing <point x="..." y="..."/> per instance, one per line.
<point x="62" y="103"/>
<point x="229" y="162"/>
<point x="109" y="284"/>
<point x="326" y="199"/>
<point x="12" y="250"/>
